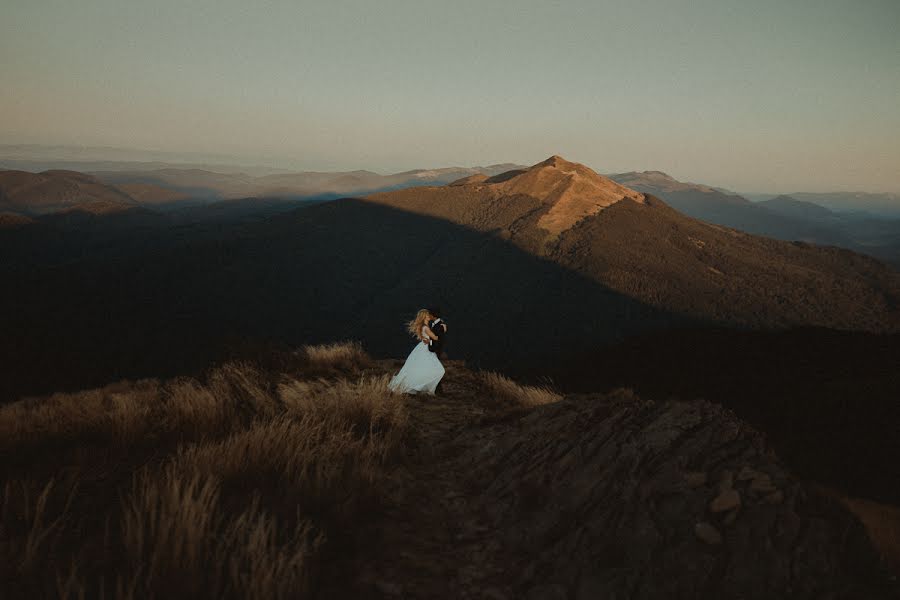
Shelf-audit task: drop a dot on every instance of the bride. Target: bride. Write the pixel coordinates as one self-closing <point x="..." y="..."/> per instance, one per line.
<point x="423" y="370"/>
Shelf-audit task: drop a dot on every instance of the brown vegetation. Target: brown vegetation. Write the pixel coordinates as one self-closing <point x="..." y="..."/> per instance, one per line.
<point x="228" y="487"/>
<point x="505" y="389"/>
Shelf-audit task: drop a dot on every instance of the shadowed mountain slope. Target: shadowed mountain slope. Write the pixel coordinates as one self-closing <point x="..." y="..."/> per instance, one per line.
<point x="801" y="209"/>
<point x="517" y="293"/>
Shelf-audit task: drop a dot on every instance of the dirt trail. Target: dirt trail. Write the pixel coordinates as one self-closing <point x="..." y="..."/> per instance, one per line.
<point x="427" y="543"/>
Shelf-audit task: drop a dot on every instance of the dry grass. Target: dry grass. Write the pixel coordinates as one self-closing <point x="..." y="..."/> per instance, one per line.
<point x="507" y="390"/>
<point x="230" y="487"/>
<point x="116" y="412"/>
<point x="342" y="356"/>
<point x="175" y="527"/>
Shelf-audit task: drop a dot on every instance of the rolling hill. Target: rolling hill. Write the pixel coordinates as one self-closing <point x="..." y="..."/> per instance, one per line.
<point x="40" y="193"/>
<point x="801" y="209"/>
<point x="205" y="185"/>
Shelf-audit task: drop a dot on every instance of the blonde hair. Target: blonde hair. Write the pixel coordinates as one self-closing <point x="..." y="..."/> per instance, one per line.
<point x="415" y="326"/>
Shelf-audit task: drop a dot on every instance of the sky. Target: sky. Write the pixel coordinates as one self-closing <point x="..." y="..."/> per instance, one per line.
<point x="768" y="95"/>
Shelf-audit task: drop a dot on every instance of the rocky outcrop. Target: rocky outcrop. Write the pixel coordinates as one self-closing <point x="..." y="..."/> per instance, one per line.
<point x="616" y="497"/>
<point x="598" y="497"/>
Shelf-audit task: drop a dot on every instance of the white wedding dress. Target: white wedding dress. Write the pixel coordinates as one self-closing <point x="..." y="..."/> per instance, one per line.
<point x="420" y="374"/>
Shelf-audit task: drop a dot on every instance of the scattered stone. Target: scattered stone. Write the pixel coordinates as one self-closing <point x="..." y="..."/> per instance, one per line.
<point x="725" y="501"/>
<point x="708" y="533"/>
<point x="695" y="478"/>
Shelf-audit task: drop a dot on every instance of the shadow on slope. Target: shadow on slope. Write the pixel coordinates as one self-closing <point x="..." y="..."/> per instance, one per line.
<point x="174" y="302"/>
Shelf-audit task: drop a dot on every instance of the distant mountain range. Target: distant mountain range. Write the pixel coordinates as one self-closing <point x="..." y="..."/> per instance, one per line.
<point x="795" y="217"/>
<point x="190" y="194"/>
<point x="307" y="185"/>
<point x="884" y="205"/>
<point x="176" y="186"/>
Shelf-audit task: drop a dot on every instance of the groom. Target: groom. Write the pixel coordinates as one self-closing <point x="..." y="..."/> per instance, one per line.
<point x="439" y="328"/>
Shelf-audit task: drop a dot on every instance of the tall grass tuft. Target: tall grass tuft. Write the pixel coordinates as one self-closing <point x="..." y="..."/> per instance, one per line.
<point x="508" y="391"/>
<point x="342" y="357"/>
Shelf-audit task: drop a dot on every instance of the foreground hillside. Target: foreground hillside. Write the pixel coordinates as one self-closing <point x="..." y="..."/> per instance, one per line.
<point x="302" y="476"/>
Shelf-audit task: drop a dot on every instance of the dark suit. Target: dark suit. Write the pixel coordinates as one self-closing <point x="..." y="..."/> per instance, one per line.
<point x="439" y="328"/>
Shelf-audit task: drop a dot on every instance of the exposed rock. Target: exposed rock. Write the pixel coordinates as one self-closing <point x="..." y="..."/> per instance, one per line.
<point x="708" y="533"/>
<point x="725" y="501"/>
<point x="614" y="509"/>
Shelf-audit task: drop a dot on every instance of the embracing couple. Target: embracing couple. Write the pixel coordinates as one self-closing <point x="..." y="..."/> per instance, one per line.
<point x="423" y="370"/>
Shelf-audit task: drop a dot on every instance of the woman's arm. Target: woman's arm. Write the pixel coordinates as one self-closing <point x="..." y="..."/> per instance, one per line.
<point x="429" y="333"/>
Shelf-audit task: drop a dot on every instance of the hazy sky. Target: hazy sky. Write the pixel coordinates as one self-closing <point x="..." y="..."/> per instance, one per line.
<point x="774" y="95"/>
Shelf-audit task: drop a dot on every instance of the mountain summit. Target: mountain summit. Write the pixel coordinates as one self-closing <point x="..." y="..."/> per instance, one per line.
<point x="572" y="190"/>
<point x="548" y="198"/>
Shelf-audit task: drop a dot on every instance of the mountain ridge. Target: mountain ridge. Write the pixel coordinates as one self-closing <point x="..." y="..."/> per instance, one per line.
<point x="54" y="190"/>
